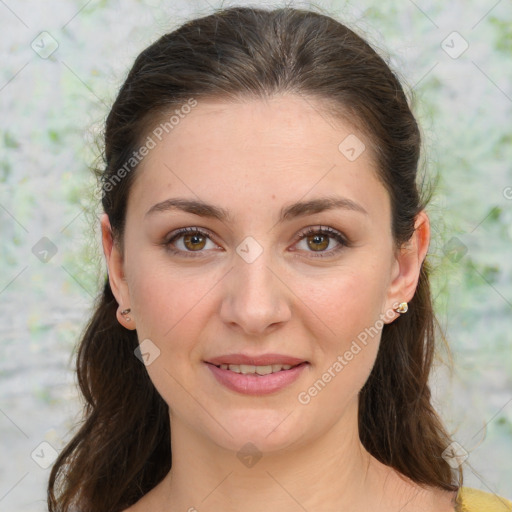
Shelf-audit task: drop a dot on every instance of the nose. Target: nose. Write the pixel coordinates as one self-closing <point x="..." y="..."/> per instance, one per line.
<point x="256" y="299"/>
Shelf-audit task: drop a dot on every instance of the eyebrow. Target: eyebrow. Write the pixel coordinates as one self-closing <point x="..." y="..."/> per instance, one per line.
<point x="298" y="209"/>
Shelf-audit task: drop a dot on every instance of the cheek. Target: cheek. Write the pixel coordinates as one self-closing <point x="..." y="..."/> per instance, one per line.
<point x="347" y="308"/>
<point x="348" y="299"/>
<point x="166" y="297"/>
<point x="170" y="307"/>
<point x="173" y="307"/>
<point x="349" y="315"/>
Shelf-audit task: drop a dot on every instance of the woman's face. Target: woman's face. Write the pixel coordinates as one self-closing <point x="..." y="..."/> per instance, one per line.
<point x="266" y="269"/>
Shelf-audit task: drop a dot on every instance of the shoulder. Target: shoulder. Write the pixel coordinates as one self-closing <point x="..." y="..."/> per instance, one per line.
<point x="473" y="500"/>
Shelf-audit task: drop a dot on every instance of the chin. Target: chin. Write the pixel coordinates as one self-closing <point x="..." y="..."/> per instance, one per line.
<point x="264" y="430"/>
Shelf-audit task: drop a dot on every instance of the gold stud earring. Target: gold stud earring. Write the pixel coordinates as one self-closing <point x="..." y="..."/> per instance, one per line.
<point x="402" y="307"/>
<point x="124" y="312"/>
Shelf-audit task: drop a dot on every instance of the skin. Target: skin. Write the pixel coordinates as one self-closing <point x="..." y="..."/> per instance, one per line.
<point x="253" y="158"/>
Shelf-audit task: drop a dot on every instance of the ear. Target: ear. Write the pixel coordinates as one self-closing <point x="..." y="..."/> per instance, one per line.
<point x="118" y="284"/>
<point x="407" y="265"/>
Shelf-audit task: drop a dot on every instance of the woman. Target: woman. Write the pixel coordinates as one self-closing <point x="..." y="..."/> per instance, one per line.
<point x="266" y="329"/>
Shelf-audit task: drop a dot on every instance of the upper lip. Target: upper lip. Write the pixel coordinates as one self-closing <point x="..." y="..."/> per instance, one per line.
<point x="261" y="360"/>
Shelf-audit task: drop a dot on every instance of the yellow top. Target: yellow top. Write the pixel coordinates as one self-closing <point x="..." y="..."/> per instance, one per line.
<point x="472" y="500"/>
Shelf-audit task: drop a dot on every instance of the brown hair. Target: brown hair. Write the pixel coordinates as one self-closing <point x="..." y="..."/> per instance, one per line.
<point x="122" y="449"/>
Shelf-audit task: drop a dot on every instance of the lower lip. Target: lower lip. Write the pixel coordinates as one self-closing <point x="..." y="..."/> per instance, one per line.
<point x="257" y="384"/>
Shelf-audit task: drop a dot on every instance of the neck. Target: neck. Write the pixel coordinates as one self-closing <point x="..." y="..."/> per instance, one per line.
<point x="327" y="473"/>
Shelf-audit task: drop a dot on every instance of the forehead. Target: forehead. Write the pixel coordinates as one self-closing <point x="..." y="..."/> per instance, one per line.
<point x="283" y="148"/>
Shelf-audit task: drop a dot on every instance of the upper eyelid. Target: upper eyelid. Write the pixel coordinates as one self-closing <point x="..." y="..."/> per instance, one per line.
<point x="184" y="231"/>
<point x="321" y="229"/>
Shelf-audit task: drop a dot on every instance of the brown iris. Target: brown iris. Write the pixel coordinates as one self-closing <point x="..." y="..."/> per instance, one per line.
<point x="318" y="239"/>
<point x="195" y="240"/>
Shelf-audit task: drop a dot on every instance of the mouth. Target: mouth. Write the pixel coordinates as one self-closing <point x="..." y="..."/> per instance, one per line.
<point x="261" y="370"/>
<point x="256" y="379"/>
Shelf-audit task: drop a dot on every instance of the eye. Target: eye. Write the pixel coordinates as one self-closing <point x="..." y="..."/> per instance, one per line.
<point x="186" y="241"/>
<point x="318" y="239"/>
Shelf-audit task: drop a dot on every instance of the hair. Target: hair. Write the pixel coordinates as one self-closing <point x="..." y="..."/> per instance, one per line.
<point x="122" y="448"/>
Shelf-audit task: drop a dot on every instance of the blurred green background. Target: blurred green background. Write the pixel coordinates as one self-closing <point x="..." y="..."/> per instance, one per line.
<point x="62" y="64"/>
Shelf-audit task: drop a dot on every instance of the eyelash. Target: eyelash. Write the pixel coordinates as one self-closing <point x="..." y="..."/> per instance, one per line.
<point x="321" y="230"/>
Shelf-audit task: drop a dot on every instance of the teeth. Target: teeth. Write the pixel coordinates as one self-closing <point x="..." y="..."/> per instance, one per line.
<point x="259" y="370"/>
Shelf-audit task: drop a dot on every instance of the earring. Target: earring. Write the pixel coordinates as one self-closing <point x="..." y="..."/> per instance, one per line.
<point x="402" y="307"/>
<point x="124" y="312"/>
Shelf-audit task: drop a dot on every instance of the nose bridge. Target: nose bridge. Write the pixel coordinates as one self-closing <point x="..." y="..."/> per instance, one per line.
<point x="255" y="298"/>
